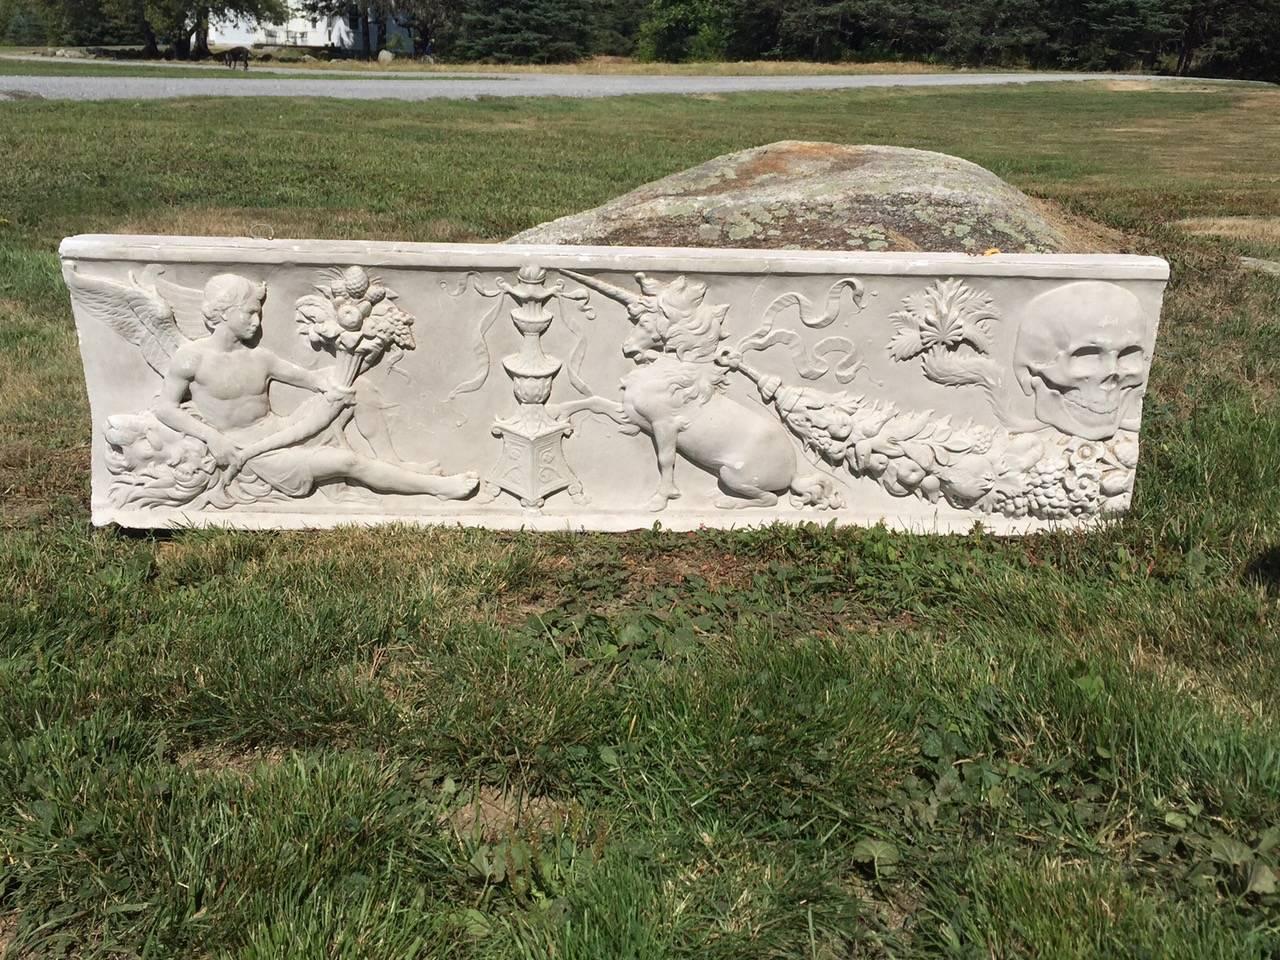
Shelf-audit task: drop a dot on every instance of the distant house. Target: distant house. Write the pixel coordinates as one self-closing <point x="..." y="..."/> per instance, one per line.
<point x="305" y="30"/>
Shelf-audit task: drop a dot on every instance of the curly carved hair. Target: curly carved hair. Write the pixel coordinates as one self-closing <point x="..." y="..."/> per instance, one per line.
<point x="228" y="290"/>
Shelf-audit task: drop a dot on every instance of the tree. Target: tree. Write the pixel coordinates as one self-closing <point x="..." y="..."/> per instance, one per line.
<point x="678" y="30"/>
<point x="523" y="31"/>
<point x="23" y="24"/>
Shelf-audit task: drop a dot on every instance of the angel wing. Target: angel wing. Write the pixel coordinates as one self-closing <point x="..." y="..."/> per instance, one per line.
<point x="187" y="302"/>
<point x="138" y="314"/>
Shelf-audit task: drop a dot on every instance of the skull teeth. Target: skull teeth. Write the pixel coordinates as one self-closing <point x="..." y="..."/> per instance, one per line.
<point x="1104" y="407"/>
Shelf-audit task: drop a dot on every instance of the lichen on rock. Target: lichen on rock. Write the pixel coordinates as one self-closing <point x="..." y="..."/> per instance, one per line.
<point x="828" y="196"/>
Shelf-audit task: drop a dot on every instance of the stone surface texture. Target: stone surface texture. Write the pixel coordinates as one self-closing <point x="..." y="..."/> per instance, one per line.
<point x="827" y="196"/>
<point x="259" y="383"/>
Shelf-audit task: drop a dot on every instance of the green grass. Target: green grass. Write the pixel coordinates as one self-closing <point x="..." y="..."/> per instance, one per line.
<point x="782" y="743"/>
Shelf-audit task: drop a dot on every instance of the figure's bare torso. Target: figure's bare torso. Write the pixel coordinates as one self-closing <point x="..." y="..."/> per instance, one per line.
<point x="230" y="389"/>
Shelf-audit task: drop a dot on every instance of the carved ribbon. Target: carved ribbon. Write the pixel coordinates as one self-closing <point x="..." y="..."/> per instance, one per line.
<point x="479" y="349"/>
<point x="810" y="363"/>
<point x="805" y="305"/>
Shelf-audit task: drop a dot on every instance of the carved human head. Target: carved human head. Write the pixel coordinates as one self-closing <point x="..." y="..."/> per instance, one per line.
<point x="1081" y="353"/>
<point x="231" y="298"/>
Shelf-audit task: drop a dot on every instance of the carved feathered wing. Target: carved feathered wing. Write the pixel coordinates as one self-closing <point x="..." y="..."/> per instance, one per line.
<point x="136" y="313"/>
<point x="187" y="302"/>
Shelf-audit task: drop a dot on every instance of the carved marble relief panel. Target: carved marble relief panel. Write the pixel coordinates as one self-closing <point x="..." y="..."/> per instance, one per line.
<point x="310" y="383"/>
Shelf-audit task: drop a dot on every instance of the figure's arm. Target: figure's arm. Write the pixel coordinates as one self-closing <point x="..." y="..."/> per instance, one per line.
<point x="320" y="381"/>
<point x="309" y="419"/>
<point x="168" y="408"/>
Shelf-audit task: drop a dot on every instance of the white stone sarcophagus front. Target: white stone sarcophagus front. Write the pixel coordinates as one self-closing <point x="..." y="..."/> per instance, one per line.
<point x="283" y="383"/>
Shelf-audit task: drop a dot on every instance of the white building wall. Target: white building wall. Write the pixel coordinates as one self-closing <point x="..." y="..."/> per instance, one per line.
<point x="300" y="30"/>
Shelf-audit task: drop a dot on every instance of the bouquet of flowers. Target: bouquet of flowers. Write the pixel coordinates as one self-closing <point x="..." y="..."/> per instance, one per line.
<point x="355" y="319"/>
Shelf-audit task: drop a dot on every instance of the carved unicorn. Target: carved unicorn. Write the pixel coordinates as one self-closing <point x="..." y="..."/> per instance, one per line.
<point x="677" y="395"/>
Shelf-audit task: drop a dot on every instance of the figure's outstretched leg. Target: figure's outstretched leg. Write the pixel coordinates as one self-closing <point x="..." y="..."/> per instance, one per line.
<point x="329" y="464"/>
<point x="665" y="433"/>
<point x="605" y="407"/>
<point x="735" y="481"/>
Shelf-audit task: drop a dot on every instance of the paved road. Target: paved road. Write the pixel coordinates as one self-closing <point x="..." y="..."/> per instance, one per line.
<point x="439" y="86"/>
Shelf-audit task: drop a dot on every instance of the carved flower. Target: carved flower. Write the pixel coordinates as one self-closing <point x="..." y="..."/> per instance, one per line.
<point x="946" y="314"/>
<point x="1085" y="453"/>
<point x="1125" y="451"/>
<point x="1083" y="489"/>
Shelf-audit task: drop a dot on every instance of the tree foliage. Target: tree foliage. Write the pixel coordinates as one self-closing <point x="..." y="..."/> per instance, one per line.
<point x="1234" y="38"/>
<point x="1221" y="37"/>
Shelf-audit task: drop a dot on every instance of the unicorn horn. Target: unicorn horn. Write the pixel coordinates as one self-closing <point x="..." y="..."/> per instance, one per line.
<point x="632" y="301"/>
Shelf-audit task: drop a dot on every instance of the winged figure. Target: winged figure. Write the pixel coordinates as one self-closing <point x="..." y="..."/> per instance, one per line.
<point x="212" y="438"/>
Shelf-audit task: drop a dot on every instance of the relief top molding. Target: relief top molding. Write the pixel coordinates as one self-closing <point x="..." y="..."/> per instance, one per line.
<point x="494" y="256"/>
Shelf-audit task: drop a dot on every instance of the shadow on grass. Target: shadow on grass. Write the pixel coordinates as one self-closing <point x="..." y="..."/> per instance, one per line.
<point x="1264" y="571"/>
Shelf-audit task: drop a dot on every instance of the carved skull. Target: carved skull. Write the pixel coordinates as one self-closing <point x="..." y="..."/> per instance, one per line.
<point x="1081" y="352"/>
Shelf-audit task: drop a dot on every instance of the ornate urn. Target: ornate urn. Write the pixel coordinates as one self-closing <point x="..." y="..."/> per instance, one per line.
<point x="531" y="465"/>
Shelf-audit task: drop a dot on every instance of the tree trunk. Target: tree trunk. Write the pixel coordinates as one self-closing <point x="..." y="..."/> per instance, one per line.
<point x="201" y="50"/>
<point x="1184" y="56"/>
<point x="182" y="46"/>
<point x="150" y="47"/>
<point x="364" y="31"/>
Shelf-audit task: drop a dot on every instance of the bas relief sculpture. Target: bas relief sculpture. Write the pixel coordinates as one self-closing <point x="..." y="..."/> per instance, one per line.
<point x="211" y="437"/>
<point x="321" y="383"/>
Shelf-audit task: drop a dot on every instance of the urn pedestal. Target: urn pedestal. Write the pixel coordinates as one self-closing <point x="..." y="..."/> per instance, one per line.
<point x="531" y="465"/>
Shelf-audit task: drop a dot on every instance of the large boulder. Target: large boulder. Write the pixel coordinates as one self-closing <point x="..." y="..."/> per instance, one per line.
<point x="829" y="196"/>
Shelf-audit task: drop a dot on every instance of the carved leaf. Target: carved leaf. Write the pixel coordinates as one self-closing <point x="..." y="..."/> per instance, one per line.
<point x="135" y="313"/>
<point x="967" y="312"/>
<point x="952" y="370"/>
<point x="906" y="343"/>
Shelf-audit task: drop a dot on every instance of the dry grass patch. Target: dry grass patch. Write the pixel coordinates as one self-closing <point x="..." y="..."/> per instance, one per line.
<point x="1259" y="229"/>
<point x="35" y="476"/>
<point x="1082" y="234"/>
<point x="1166" y="85"/>
<point x="494" y="814"/>
<point x="258" y="222"/>
<point x="8" y="931"/>
<point x="287" y="222"/>
<point x="217" y="759"/>
<point x="626" y="66"/>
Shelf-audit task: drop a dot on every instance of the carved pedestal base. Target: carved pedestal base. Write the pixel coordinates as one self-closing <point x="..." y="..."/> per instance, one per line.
<point x="532" y="464"/>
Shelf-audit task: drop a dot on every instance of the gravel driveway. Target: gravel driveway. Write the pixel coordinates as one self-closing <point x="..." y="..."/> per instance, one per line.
<point x="443" y="86"/>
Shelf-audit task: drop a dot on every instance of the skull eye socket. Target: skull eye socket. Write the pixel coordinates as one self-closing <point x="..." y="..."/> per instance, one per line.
<point x="1085" y="362"/>
<point x="1130" y="360"/>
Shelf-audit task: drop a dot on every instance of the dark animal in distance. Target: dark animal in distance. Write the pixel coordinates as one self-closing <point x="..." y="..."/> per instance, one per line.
<point x="236" y="55"/>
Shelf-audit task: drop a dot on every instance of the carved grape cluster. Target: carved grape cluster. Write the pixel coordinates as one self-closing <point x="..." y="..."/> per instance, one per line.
<point x="391" y="325"/>
<point x="355" y="315"/>
<point x="1075" y="479"/>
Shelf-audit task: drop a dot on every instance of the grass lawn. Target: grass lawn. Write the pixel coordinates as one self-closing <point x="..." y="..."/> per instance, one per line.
<point x="794" y="742"/>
